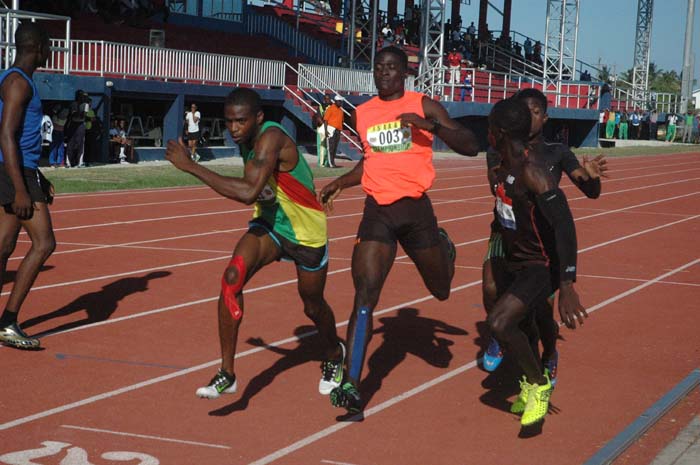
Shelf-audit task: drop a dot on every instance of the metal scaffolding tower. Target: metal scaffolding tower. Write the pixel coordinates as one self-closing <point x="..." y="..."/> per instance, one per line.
<point x="432" y="45"/>
<point x="687" y="73"/>
<point x="360" y="28"/>
<point x="642" y="47"/>
<point x="560" y="42"/>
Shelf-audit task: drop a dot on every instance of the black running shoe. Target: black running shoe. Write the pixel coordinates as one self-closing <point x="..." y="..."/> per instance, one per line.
<point x="12" y="335"/>
<point x="347" y="397"/>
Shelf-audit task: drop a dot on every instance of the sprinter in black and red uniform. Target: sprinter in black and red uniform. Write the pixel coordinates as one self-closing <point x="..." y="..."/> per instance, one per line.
<point x="539" y="239"/>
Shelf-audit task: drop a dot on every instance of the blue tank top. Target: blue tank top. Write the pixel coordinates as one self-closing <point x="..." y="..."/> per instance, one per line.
<point x="29" y="143"/>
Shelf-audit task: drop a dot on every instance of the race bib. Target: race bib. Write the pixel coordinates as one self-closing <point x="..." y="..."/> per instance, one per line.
<point x="504" y="209"/>
<point x="389" y="137"/>
<point x="267" y="195"/>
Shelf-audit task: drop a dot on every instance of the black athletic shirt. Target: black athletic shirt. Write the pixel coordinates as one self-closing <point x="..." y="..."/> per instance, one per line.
<point x="527" y="235"/>
<point x="558" y="158"/>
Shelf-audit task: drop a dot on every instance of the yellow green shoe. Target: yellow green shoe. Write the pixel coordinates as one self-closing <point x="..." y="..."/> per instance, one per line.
<point x="537" y="403"/>
<point x="519" y="405"/>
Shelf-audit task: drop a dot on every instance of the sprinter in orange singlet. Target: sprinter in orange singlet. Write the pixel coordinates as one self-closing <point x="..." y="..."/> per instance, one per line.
<point x="397" y="129"/>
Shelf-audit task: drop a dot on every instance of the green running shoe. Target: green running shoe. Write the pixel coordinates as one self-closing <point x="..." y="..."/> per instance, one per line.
<point x="537" y="403"/>
<point x="347" y="397"/>
<point x="12" y="335"/>
<point x="520" y="403"/>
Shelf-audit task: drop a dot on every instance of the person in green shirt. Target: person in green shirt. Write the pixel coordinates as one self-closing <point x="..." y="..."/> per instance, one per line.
<point x="688" y="128"/>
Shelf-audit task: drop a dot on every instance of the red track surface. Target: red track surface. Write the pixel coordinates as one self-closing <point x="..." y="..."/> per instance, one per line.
<point x="127" y="303"/>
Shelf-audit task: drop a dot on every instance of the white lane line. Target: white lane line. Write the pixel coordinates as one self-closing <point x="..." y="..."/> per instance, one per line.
<point x="291" y="281"/>
<point x="636" y="280"/>
<point x="126" y="273"/>
<point x="145" y="436"/>
<point x="656" y="228"/>
<point x="435" y="381"/>
<point x="159" y="379"/>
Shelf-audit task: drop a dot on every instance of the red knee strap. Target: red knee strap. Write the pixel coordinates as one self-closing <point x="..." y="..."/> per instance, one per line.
<point x="229" y="291"/>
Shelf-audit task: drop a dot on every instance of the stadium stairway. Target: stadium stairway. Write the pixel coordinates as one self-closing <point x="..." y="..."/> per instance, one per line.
<point x="303" y="108"/>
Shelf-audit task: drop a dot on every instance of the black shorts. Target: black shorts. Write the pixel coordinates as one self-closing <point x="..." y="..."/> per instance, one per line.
<point x="529" y="283"/>
<point x="304" y="257"/>
<point x="409" y="221"/>
<point x="193" y="135"/>
<point x="35" y="182"/>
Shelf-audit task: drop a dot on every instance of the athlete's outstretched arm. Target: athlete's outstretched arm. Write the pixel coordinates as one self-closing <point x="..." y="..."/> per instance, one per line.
<point x="553" y="205"/>
<point x="587" y="177"/>
<point x="457" y="137"/>
<point x="256" y="172"/>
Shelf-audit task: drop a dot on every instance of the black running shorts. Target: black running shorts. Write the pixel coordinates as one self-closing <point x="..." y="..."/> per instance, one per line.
<point x="530" y="283"/>
<point x="35" y="182"/>
<point x="409" y="221"/>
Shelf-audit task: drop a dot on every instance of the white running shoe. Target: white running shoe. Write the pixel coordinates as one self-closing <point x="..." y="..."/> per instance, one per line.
<point x="221" y="383"/>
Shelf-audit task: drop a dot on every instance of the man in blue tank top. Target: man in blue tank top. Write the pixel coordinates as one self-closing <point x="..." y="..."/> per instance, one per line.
<point x="24" y="192"/>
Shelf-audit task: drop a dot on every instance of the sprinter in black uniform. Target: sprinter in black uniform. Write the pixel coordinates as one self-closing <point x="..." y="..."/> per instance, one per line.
<point x="557" y="158"/>
<point x="539" y="239"/>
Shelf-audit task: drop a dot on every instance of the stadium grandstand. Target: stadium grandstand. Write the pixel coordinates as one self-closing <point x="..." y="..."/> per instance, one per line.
<point x="145" y="61"/>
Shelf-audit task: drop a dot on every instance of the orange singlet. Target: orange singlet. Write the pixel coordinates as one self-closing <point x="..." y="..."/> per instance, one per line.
<point x="398" y="161"/>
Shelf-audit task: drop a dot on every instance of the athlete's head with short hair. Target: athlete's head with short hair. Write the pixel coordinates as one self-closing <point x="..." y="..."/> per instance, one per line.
<point x="390" y="69"/>
<point x="509" y="122"/>
<point x="537" y="103"/>
<point x="243" y="114"/>
<point x="32" y="39"/>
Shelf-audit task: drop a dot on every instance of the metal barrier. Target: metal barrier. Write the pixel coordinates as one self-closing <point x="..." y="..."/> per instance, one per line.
<point x="342" y="79"/>
<point x="8" y="25"/>
<point x="138" y="61"/>
<point x="304" y="44"/>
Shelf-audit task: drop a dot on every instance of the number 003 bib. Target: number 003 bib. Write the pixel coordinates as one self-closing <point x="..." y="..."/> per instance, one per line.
<point x="398" y="161"/>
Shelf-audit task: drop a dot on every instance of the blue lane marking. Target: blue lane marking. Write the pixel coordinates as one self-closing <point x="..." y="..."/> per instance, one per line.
<point x="358" y="343"/>
<point x="109" y="360"/>
<point x="646" y="420"/>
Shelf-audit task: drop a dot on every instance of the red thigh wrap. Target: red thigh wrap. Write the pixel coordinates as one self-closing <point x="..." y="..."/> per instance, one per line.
<point x="229" y="291"/>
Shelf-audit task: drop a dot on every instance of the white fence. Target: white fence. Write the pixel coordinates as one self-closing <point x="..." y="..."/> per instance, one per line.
<point x="341" y="79"/>
<point x="137" y="61"/>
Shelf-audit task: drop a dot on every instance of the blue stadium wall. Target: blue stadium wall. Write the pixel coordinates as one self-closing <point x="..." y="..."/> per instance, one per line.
<point x="581" y="125"/>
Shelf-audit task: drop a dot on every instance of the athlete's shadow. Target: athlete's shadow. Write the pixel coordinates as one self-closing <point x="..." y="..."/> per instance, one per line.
<point x="10" y="275"/>
<point x="307" y="350"/>
<point x="407" y="333"/>
<point x="99" y="305"/>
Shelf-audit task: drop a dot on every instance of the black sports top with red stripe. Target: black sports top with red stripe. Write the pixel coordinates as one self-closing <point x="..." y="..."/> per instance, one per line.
<point x="527" y="235"/>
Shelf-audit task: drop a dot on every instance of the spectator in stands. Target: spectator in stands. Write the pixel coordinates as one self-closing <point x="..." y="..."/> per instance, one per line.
<point x="57" y="149"/>
<point x="623" y="125"/>
<point x="537" y="53"/>
<point x="671" y="120"/>
<point x="653" y="125"/>
<point x="117" y="136"/>
<point x="618" y="116"/>
<point x="453" y="61"/>
<point x="528" y="49"/>
<point x="322" y="131"/>
<point x="636" y="120"/>
<point x="585" y="75"/>
<point x="334" y="118"/>
<point x="466" y="91"/>
<point x="192" y="133"/>
<point x="93" y="134"/>
<point x="75" y="131"/>
<point x="471" y="30"/>
<point x="696" y="130"/>
<point x="688" y="127"/>
<point x="610" y="125"/>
